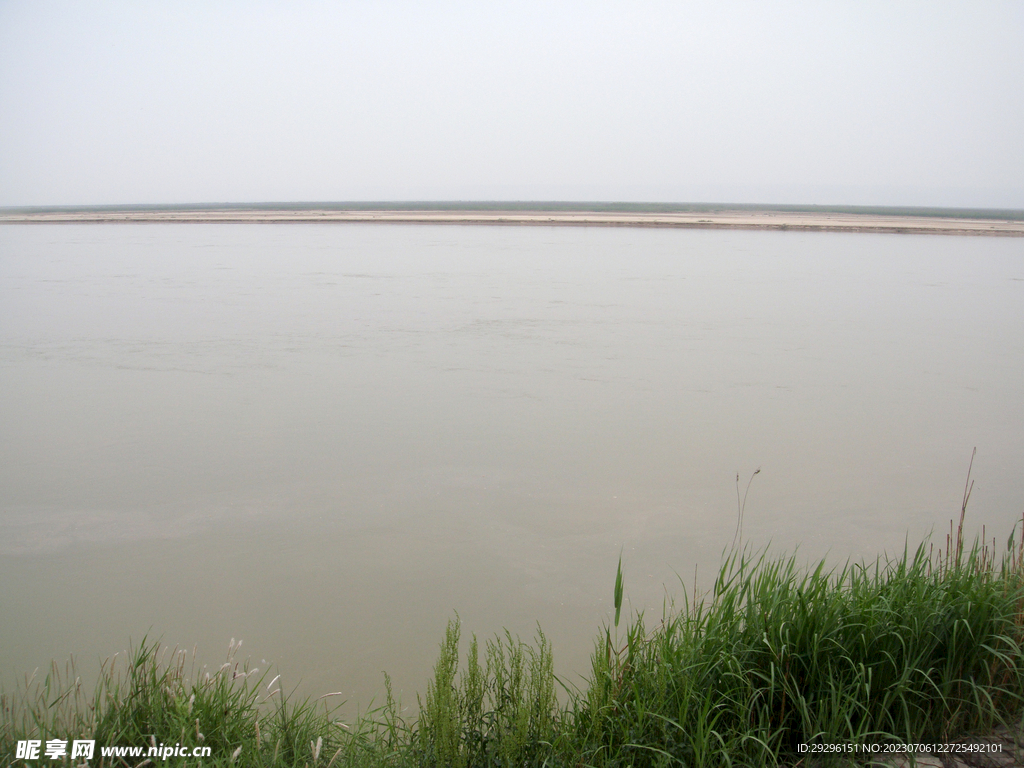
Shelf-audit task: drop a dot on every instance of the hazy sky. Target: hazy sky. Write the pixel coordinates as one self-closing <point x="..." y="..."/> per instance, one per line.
<point x="804" y="102"/>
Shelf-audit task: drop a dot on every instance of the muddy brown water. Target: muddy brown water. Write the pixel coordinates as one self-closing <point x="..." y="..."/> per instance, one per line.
<point x="327" y="440"/>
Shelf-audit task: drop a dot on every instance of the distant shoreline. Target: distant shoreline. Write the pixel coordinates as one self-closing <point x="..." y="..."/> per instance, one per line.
<point x="937" y="221"/>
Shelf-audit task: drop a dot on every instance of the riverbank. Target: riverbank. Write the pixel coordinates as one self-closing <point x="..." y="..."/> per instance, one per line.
<point x="779" y="218"/>
<point x="779" y="664"/>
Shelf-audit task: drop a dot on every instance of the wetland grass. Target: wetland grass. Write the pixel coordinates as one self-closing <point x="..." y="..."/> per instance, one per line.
<point x="900" y="651"/>
<point x="923" y="647"/>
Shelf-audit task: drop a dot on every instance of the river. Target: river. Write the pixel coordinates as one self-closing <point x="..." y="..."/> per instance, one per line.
<point x="328" y="439"/>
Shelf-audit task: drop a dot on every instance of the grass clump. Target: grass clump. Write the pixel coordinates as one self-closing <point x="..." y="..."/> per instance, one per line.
<point x="153" y="697"/>
<point x="501" y="713"/>
<point x="915" y="649"/>
<point x="901" y="651"/>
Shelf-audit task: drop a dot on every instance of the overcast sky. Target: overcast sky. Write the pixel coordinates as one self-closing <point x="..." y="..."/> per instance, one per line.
<point x="804" y="102"/>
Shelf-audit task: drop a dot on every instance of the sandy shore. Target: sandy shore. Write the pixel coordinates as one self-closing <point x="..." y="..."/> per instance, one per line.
<point x="745" y="219"/>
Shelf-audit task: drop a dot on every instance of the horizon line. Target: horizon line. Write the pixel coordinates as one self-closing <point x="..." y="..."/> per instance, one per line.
<point x="604" y="206"/>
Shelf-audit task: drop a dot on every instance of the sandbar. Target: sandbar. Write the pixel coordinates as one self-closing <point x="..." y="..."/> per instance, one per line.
<point x="809" y="221"/>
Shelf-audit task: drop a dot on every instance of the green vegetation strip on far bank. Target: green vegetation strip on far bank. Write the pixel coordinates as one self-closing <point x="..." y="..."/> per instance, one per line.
<point x="919" y="648"/>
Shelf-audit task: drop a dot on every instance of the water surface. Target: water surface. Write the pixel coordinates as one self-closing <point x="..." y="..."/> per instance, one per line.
<point x="328" y="439"/>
